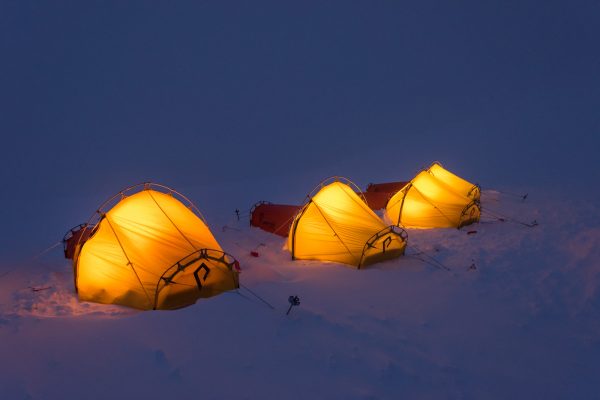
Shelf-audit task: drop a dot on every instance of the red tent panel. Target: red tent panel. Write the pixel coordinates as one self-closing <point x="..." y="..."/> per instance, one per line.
<point x="78" y="234"/>
<point x="377" y="200"/>
<point x="378" y="194"/>
<point x="274" y="218"/>
<point x="388" y="187"/>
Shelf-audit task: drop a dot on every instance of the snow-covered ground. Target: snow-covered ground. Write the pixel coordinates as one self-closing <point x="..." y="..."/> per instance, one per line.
<point x="516" y="316"/>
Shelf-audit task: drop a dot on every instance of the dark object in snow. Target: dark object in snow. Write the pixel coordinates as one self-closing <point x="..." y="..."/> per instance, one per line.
<point x="471" y="232"/>
<point x="237" y="213"/>
<point x="472" y="267"/>
<point x="294" y="301"/>
<point x="39" y="289"/>
<point x="254" y="253"/>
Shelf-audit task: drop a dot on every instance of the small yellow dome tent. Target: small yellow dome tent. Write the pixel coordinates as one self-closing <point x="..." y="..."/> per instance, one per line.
<point x="150" y="251"/>
<point x="458" y="184"/>
<point x="337" y="225"/>
<point x="427" y="202"/>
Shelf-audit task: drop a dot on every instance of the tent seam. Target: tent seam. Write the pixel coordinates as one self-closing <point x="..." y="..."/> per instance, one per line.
<point x="170" y="220"/>
<point x="430" y="202"/>
<point x="334" y="232"/>
<point x="364" y="206"/>
<point x="129" y="260"/>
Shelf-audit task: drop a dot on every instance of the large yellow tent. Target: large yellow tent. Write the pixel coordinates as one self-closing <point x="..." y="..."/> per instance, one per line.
<point x="427" y="202"/>
<point x="150" y="251"/>
<point x="337" y="225"/>
<point x="458" y="184"/>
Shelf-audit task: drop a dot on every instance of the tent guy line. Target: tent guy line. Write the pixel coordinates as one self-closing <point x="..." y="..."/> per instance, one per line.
<point x="26" y="261"/>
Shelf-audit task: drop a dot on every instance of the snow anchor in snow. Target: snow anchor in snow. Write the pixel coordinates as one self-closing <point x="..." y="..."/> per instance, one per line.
<point x="294" y="301"/>
<point x="39" y="289"/>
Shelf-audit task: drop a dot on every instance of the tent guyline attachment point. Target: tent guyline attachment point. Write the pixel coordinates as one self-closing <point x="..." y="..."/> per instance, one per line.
<point x="38" y="289"/>
<point x="294" y="301"/>
<point x="433" y="261"/>
<point x="504" y="218"/>
<point x="523" y="197"/>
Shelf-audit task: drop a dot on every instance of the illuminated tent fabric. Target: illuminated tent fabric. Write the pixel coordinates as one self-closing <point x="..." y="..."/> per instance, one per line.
<point x="337" y="225"/>
<point x="150" y="251"/>
<point x="427" y="202"/>
<point x="458" y="184"/>
<point x="274" y="218"/>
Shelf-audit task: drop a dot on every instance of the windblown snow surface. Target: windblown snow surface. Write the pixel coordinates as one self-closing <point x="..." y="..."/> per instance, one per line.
<point x="516" y="316"/>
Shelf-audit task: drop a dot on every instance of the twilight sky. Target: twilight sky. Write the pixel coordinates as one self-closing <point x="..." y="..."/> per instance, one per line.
<point x="95" y="96"/>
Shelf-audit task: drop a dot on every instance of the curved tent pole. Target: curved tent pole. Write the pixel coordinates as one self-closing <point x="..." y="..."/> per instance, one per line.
<point x="70" y="233"/>
<point x="475" y="187"/>
<point x="295" y="226"/>
<point x="202" y="254"/>
<point x="401" y="233"/>
<point x="474" y="203"/>
<point x="409" y="183"/>
<point x="333" y="179"/>
<point x="255" y="206"/>
<point x="147" y="186"/>
<point x="405" y="190"/>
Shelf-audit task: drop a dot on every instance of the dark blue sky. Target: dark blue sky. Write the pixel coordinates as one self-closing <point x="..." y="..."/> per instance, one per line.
<point x="95" y="96"/>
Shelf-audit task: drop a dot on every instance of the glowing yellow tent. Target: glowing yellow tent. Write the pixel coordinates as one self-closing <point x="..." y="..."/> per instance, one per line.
<point x="458" y="184"/>
<point x="337" y="225"/>
<point x="150" y="251"/>
<point x="427" y="202"/>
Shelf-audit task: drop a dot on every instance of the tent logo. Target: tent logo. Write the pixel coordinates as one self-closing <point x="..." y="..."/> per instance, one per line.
<point x="386" y="243"/>
<point x="198" y="282"/>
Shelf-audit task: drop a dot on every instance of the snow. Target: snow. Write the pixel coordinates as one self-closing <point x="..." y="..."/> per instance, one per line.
<point x="524" y="322"/>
